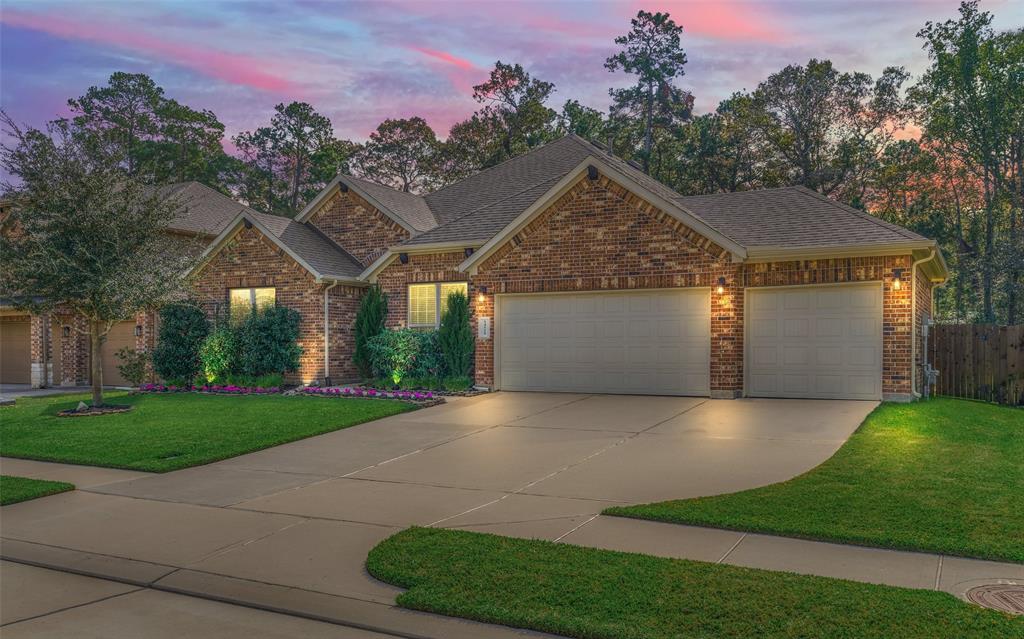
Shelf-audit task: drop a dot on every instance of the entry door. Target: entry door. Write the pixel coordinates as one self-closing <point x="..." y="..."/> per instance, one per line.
<point x="815" y="341"/>
<point x="650" y="343"/>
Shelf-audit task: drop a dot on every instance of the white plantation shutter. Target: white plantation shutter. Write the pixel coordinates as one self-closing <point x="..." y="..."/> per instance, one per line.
<point x="422" y="304"/>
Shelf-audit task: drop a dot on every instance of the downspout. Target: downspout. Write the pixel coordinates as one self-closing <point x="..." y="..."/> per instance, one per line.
<point x="327" y="334"/>
<point x="913" y="320"/>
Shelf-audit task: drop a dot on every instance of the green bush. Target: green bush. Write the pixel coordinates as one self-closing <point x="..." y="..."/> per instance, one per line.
<point x="456" y="336"/>
<point x="268" y="342"/>
<point x="183" y="328"/>
<point x="219" y="355"/>
<point x="456" y="384"/>
<point x="393" y="353"/>
<point x="270" y="380"/>
<point x="373" y="310"/>
<point x="429" y="361"/>
<point x="133" y="365"/>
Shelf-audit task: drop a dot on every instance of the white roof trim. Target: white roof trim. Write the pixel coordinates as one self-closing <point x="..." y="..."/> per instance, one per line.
<point x="858" y="249"/>
<point x="563" y="185"/>
<point x="370" y="274"/>
<point x="330" y="189"/>
<point x="231" y="229"/>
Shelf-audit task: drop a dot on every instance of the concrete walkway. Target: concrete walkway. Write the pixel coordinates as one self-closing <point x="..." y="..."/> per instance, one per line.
<point x="288" y="528"/>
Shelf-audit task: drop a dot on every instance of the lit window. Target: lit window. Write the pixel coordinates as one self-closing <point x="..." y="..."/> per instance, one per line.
<point x="243" y="300"/>
<point x="428" y="302"/>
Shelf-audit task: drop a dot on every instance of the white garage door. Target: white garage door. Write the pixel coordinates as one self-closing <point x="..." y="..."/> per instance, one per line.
<point x="652" y="343"/>
<point x="819" y="342"/>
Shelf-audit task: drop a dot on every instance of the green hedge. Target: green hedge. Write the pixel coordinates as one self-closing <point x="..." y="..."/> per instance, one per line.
<point x="183" y="329"/>
<point x="264" y="343"/>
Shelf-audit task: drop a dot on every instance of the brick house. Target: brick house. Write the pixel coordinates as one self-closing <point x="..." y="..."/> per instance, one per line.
<point x="587" y="275"/>
<point x="53" y="349"/>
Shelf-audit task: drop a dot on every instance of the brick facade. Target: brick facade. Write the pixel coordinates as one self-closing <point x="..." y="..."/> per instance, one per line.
<point x="599" y="236"/>
<point x="251" y="260"/>
<point x="357" y="226"/>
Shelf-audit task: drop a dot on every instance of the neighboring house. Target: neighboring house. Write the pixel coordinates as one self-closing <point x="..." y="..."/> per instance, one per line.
<point x="587" y="275"/>
<point x="53" y="349"/>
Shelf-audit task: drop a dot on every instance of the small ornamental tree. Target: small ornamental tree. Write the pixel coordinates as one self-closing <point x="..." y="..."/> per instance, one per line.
<point x="86" y="236"/>
<point x="393" y="353"/>
<point x="456" y="336"/>
<point x="373" y="310"/>
<point x="219" y="355"/>
<point x="183" y="327"/>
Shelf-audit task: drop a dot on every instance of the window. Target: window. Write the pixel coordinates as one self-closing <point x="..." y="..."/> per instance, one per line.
<point x="428" y="302"/>
<point x="243" y="300"/>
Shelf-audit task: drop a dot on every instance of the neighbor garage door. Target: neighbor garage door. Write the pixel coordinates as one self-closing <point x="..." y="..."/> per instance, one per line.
<point x="121" y="335"/>
<point x="818" y="342"/>
<point x="15" y="349"/>
<point x="655" y="343"/>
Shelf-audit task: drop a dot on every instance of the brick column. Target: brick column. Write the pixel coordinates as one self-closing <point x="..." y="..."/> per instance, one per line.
<point x="40" y="351"/>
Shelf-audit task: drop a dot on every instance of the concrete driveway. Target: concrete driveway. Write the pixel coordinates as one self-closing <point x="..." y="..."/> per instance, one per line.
<point x="300" y="518"/>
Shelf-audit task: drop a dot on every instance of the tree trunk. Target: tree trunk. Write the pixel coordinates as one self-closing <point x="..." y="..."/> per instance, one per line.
<point x="649" y="129"/>
<point x="96" y="337"/>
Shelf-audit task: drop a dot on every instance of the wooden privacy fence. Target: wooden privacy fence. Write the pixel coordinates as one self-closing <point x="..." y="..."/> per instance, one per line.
<point x="979" y="361"/>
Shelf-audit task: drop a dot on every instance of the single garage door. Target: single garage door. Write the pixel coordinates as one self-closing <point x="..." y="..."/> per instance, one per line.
<point x="15" y="349"/>
<point x="815" y="341"/>
<point x="650" y="343"/>
<point x="121" y="335"/>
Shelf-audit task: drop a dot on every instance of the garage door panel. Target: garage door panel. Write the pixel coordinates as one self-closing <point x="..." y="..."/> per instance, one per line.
<point x="820" y="342"/>
<point x="15" y="350"/>
<point x="628" y="342"/>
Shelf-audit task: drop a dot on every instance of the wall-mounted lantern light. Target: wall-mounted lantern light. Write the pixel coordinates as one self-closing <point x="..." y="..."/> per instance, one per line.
<point x="343" y="187"/>
<point x="468" y="251"/>
<point x="897" y="279"/>
<point x="403" y="258"/>
<point x="721" y="286"/>
<point x="480" y="295"/>
<point x="138" y="330"/>
<point x="66" y="331"/>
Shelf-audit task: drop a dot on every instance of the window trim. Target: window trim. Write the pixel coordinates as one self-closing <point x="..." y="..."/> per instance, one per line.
<point x="437" y="302"/>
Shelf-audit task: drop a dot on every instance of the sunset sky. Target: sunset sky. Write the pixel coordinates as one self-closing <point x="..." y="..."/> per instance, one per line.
<point x="362" y="62"/>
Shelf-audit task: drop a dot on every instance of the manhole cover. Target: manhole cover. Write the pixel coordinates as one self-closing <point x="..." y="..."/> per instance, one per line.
<point x="1006" y="597"/>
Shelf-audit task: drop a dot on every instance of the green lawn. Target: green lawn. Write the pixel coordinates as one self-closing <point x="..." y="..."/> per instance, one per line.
<point x="943" y="476"/>
<point x="591" y="593"/>
<point x="14" y="489"/>
<point x="168" y="432"/>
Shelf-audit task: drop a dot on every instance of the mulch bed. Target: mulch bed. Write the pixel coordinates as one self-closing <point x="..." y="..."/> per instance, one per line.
<point x="90" y="411"/>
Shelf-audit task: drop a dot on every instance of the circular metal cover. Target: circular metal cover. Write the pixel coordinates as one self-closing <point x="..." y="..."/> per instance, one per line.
<point x="1005" y="597"/>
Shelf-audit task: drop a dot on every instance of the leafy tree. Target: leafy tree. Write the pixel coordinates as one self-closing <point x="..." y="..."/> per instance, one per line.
<point x="401" y="153"/>
<point x="373" y="310"/>
<point x="259" y="184"/>
<point x="652" y="51"/>
<point x="826" y="127"/>
<point x="161" y="139"/>
<point x="472" y="144"/>
<point x="89" y="237"/>
<point x="301" y="133"/>
<point x="456" y="336"/>
<point x="183" y="328"/>
<point x="584" y="121"/>
<point x="268" y="342"/>
<point x="514" y="105"/>
<point x="970" y="101"/>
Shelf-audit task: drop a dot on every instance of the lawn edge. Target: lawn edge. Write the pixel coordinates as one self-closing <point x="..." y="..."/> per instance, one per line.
<point x="54" y="488"/>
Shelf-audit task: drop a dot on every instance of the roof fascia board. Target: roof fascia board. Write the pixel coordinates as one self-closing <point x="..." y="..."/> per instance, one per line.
<point x="329" y="190"/>
<point x="472" y="262"/>
<point x="233" y="228"/>
<point x="770" y="253"/>
<point x="370" y="274"/>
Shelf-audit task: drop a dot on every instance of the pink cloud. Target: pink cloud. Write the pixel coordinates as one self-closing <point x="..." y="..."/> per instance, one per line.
<point x="229" y="67"/>
<point x="721" y="20"/>
<point x="445" y="57"/>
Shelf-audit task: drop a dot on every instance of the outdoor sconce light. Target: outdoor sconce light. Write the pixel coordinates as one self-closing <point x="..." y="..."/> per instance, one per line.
<point x="897" y="275"/>
<point x="403" y="258"/>
<point x="468" y="251"/>
<point x="66" y="331"/>
<point x="247" y="223"/>
<point x="721" y="286"/>
<point x="138" y="331"/>
<point x="343" y="187"/>
<point x="480" y="295"/>
<point x="591" y="172"/>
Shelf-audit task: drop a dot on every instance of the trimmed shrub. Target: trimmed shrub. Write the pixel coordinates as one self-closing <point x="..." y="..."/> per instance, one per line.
<point x="393" y="353"/>
<point x="219" y="355"/>
<point x="429" y="361"/>
<point x="133" y="365"/>
<point x="373" y="310"/>
<point x="456" y="336"/>
<point x="456" y="384"/>
<point x="268" y="342"/>
<point x="183" y="327"/>
<point x="270" y="380"/>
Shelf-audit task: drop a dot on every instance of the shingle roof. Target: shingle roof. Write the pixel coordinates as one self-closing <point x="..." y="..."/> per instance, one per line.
<point x="207" y="211"/>
<point x="324" y="256"/>
<point x="790" y="217"/>
<point x="413" y="209"/>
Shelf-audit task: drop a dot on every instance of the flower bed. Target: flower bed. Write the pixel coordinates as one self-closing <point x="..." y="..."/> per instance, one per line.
<point x="422" y="399"/>
<point x="228" y="389"/>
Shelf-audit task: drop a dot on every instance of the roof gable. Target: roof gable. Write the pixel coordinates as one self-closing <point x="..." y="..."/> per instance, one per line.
<point x="408" y="210"/>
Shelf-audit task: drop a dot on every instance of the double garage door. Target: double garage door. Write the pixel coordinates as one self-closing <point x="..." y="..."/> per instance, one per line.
<point x="650" y="343"/>
<point x="814" y="342"/>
